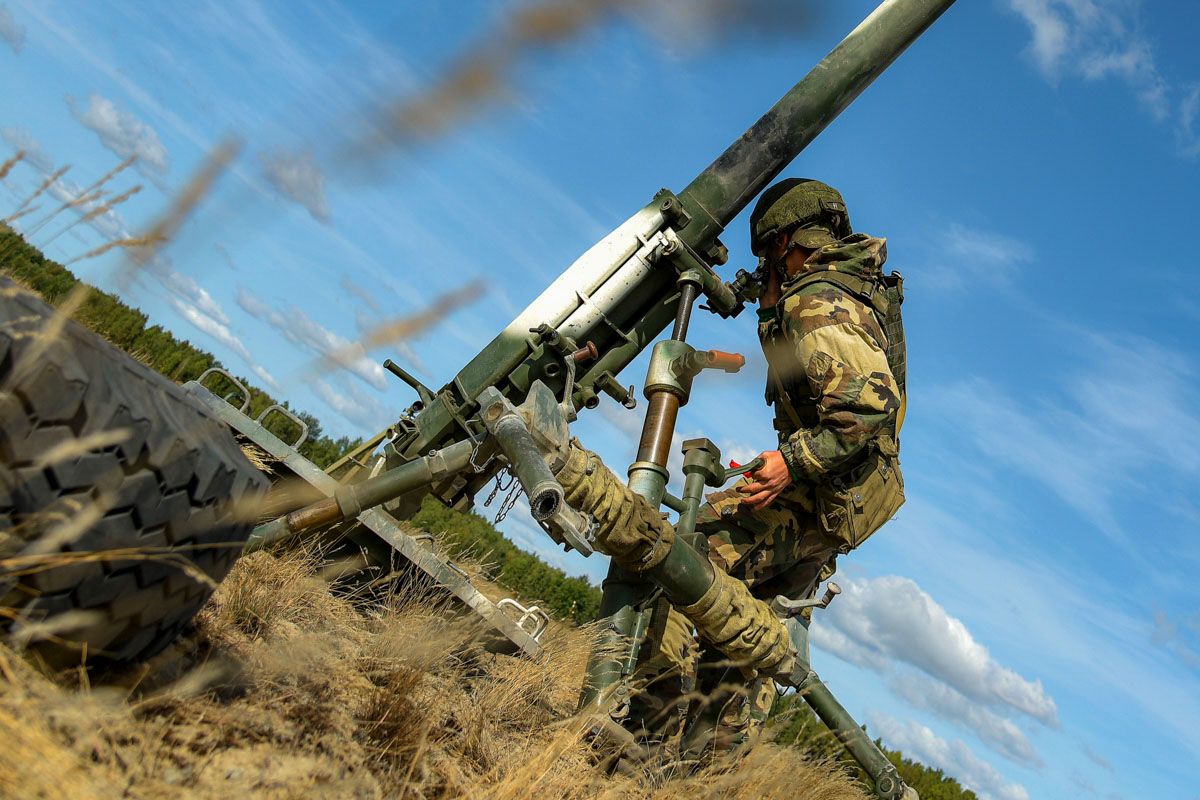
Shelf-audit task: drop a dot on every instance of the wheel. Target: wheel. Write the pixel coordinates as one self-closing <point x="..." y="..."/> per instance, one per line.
<point x="122" y="500"/>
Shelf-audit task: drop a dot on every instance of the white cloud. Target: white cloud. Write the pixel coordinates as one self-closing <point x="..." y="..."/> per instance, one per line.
<point x="1050" y="34"/>
<point x="111" y="224"/>
<point x="892" y="617"/>
<point x="122" y="132"/>
<point x="296" y="176"/>
<point x="1082" y="442"/>
<point x="355" y="405"/>
<point x="368" y="299"/>
<point x="832" y="640"/>
<point x="970" y="257"/>
<point x="210" y="326"/>
<point x="998" y="733"/>
<point x="266" y="377"/>
<point x="1098" y="39"/>
<point x="1188" y="139"/>
<point x="953" y="758"/>
<point x="21" y="139"/>
<point x="199" y="308"/>
<point x="737" y="451"/>
<point x="300" y="329"/>
<point x="63" y="190"/>
<point x="1056" y="613"/>
<point x="10" y="30"/>
<point x="187" y="290"/>
<point x="1096" y="757"/>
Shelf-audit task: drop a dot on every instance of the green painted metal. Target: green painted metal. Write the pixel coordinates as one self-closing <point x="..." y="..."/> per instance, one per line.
<point x="353" y="498"/>
<point x="701" y="467"/>
<point x="622" y="592"/>
<point x="376" y="522"/>
<point x="884" y="775"/>
<point x="619" y="296"/>
<point x="736" y="177"/>
<point x="667" y="372"/>
<point x="711" y="201"/>
<point x="684" y="575"/>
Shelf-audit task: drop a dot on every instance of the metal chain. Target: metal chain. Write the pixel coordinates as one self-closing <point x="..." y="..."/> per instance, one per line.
<point x="514" y="490"/>
<point x="507" y="504"/>
<point x="500" y="485"/>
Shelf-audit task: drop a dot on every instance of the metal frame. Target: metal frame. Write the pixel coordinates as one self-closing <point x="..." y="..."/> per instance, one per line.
<point x="438" y="567"/>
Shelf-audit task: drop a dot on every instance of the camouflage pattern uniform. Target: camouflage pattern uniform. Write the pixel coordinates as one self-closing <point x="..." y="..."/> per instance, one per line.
<point x="838" y="407"/>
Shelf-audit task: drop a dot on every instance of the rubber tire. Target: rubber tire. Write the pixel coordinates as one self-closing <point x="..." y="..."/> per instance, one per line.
<point x="172" y="484"/>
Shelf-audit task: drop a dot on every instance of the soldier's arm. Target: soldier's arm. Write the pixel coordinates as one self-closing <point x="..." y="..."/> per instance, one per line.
<point x="847" y="372"/>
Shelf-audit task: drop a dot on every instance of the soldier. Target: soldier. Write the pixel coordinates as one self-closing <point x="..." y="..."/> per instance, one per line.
<point x="830" y="328"/>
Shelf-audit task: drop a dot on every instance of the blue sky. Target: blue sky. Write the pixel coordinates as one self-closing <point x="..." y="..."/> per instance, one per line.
<point x="1030" y="621"/>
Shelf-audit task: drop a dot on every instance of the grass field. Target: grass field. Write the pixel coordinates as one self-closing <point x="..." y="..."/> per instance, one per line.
<point x="283" y="690"/>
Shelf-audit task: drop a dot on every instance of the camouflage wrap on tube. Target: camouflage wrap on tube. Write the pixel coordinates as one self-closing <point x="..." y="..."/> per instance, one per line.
<point x="827" y="355"/>
<point x="636" y="536"/>
<point x="739" y="624"/>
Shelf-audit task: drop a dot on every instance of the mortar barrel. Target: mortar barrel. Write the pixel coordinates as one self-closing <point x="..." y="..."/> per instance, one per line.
<point x="350" y="500"/>
<point x="719" y="193"/>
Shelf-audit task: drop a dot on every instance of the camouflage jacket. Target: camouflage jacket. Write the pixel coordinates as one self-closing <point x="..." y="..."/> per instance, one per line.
<point x="828" y="374"/>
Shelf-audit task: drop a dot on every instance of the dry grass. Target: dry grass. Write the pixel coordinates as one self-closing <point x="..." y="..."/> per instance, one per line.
<point x="285" y="690"/>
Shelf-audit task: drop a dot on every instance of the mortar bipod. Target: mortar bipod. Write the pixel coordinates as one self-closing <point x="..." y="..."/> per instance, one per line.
<point x="888" y="785"/>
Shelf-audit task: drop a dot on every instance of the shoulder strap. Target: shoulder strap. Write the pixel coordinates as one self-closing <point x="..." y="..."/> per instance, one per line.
<point x="870" y="292"/>
<point x="884" y="294"/>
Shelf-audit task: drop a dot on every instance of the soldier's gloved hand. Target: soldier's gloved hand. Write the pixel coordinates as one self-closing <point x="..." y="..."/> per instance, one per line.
<point x="769" y="480"/>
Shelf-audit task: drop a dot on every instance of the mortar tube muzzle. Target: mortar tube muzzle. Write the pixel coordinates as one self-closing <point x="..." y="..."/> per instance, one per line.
<point x="544" y="492"/>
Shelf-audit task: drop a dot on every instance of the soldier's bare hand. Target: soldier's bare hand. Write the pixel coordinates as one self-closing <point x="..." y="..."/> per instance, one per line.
<point x="769" y="480"/>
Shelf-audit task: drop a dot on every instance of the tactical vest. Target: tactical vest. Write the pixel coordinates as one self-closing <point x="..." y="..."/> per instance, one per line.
<point x="884" y="294"/>
<point x="854" y="503"/>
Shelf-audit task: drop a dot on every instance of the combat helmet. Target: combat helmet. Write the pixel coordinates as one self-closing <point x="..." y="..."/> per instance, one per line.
<point x="813" y="212"/>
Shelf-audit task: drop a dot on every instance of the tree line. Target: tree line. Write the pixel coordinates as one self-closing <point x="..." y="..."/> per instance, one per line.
<point x="509" y="565"/>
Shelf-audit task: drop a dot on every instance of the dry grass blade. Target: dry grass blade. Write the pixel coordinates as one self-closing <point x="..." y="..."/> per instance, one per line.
<point x="84" y="197"/>
<point x="318" y="695"/>
<point x="404" y="327"/>
<point x="478" y="76"/>
<point x="131" y="244"/>
<point x="110" y="204"/>
<point x="112" y="173"/>
<point x="46" y="184"/>
<point x="72" y="518"/>
<point x="29" y="563"/>
<point x="97" y="211"/>
<point x="18" y="214"/>
<point x="184" y="203"/>
<point x="56" y="628"/>
<point x="7" y="166"/>
<point x="78" y="200"/>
